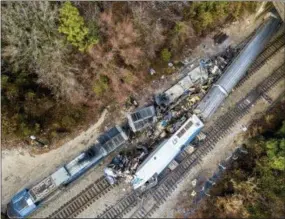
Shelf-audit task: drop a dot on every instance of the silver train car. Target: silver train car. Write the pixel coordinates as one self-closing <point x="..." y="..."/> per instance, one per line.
<point x="237" y="70"/>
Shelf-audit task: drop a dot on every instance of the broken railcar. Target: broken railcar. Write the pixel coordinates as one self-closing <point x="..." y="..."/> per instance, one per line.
<point x="237" y="70"/>
<point x="28" y="200"/>
<point x="113" y="138"/>
<point x="196" y="76"/>
<point x="162" y="156"/>
<point x="141" y="118"/>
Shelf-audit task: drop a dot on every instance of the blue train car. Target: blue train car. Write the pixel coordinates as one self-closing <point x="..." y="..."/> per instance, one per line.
<point x="28" y="200"/>
<point x="84" y="162"/>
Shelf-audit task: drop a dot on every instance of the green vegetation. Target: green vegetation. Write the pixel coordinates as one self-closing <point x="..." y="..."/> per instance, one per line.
<point x="180" y="27"/>
<point x="72" y="25"/>
<point x="101" y="85"/>
<point x="165" y="55"/>
<point x="255" y="187"/>
<point x="270" y="176"/>
<point x="63" y="61"/>
<point x="35" y="73"/>
<point x="207" y="15"/>
<point x="128" y="78"/>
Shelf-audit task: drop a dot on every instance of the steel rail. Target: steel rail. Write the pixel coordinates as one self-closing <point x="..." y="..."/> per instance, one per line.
<point x="96" y="190"/>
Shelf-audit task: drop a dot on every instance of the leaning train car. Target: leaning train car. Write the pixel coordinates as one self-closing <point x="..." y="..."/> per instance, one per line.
<point x="164" y="153"/>
<point x="196" y="76"/>
<point x="238" y="69"/>
<point x="28" y="200"/>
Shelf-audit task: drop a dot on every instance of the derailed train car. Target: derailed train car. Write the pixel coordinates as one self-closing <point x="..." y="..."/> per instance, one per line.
<point x="159" y="159"/>
<point x="164" y="153"/>
<point x="238" y="69"/>
<point x="28" y="200"/>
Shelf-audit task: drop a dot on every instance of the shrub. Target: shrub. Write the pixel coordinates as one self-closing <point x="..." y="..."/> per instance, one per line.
<point x="180" y="27"/>
<point x="208" y="15"/>
<point x="30" y="95"/>
<point x="165" y="55"/>
<point x="181" y="34"/>
<point x="4" y="81"/>
<point x="67" y="121"/>
<point x="72" y="25"/>
<point x="34" y="52"/>
<point x="8" y="124"/>
<point x="128" y="78"/>
<point x="101" y="85"/>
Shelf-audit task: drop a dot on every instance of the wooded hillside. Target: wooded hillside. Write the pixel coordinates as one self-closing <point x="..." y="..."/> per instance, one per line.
<point x="255" y="185"/>
<point x="63" y="62"/>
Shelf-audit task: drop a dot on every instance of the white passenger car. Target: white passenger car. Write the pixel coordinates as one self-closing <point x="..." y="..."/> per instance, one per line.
<point x="160" y="158"/>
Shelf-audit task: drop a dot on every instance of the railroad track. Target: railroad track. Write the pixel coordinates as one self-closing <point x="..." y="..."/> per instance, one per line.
<point x="271" y="49"/>
<point x="82" y="201"/>
<point x="93" y="192"/>
<point x="214" y="133"/>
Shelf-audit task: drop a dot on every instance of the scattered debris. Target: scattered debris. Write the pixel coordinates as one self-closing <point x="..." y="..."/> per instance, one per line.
<point x="194" y="182"/>
<point x="201" y="136"/>
<point x="131" y="102"/>
<point x="152" y="71"/>
<point x="170" y="110"/>
<point x="244" y="128"/>
<point x="193" y="193"/>
<point x="220" y="37"/>
<point x="190" y="149"/>
<point x="124" y="165"/>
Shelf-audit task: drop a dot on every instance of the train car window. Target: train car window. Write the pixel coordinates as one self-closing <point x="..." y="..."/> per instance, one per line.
<point x="181" y="132"/>
<point x="120" y="138"/>
<point x="144" y="113"/>
<point x="117" y="142"/>
<point x="149" y="112"/>
<point x="188" y="125"/>
<point x="136" y="116"/>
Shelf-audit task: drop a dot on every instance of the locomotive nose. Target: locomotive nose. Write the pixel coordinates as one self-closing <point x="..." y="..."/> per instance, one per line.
<point x="11" y="213"/>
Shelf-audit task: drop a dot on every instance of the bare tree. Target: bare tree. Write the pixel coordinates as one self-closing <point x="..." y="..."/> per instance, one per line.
<point x="31" y="43"/>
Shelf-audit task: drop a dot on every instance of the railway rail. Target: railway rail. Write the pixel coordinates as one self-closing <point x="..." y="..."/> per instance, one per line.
<point x="82" y="201"/>
<point x="86" y="197"/>
<point x="94" y="191"/>
<point x="214" y="133"/>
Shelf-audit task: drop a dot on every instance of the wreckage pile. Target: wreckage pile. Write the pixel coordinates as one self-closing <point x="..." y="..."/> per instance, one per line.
<point x="205" y="75"/>
<point x="125" y="164"/>
<point x="169" y="111"/>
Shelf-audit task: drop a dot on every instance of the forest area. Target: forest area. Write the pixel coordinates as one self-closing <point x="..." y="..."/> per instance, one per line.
<point x="64" y="62"/>
<point x="254" y="187"/>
